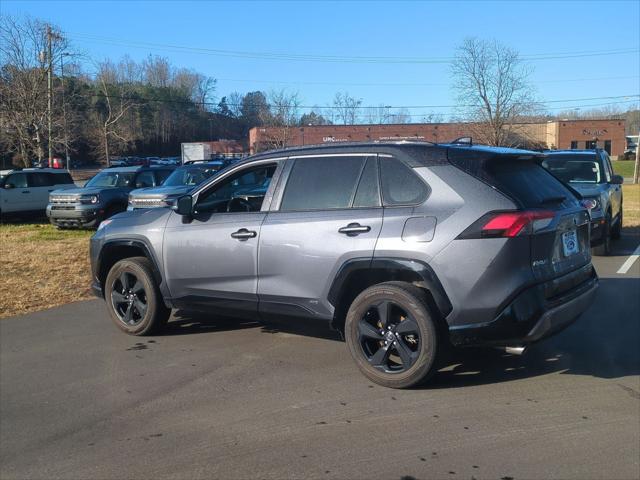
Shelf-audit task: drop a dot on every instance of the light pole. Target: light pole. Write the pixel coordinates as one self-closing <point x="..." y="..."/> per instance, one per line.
<point x="64" y="110"/>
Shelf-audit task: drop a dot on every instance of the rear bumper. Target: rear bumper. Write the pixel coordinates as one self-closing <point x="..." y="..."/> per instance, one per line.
<point x="534" y="314"/>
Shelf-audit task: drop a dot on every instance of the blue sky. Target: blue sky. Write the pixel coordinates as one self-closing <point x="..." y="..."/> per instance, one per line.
<point x="362" y="29"/>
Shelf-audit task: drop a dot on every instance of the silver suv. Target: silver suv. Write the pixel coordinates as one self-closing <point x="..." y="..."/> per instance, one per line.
<point x="406" y="247"/>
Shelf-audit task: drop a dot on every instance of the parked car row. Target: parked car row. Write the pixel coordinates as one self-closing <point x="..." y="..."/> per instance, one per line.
<point x="143" y="161"/>
<point x="26" y="191"/>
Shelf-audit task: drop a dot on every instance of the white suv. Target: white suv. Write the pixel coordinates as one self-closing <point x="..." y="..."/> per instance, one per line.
<point x="27" y="191"/>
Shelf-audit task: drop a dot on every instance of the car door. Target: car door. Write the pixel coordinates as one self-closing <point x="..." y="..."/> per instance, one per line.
<point x="327" y="214"/>
<point x="40" y="184"/>
<point x="16" y="194"/>
<point x="211" y="258"/>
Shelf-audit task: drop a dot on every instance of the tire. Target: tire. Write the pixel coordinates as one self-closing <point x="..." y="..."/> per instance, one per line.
<point x="144" y="313"/>
<point x="616" y="231"/>
<point x="604" y="248"/>
<point x="403" y="302"/>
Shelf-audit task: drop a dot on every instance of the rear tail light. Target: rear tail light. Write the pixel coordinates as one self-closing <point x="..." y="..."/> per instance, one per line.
<point x="509" y="224"/>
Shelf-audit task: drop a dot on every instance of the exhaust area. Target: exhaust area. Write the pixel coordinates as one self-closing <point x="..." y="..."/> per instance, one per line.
<point x="515" y="350"/>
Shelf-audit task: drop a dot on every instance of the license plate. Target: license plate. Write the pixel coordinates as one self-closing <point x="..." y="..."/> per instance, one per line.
<point x="570" y="243"/>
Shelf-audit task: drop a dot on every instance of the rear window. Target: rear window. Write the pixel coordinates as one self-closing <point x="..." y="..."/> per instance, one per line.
<point x="575" y="168"/>
<point x="523" y="180"/>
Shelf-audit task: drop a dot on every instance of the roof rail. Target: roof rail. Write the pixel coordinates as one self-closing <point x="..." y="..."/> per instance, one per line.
<point x="463" y="141"/>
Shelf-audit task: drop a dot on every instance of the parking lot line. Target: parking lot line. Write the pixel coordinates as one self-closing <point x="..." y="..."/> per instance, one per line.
<point x="629" y="261"/>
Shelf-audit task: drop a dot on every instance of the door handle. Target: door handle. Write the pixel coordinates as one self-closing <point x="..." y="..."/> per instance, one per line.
<point x="244" y="234"/>
<point x="26" y="191"/>
<point x="354" y="229"/>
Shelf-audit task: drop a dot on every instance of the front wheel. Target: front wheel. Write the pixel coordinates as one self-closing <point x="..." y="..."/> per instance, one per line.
<point x="392" y="335"/>
<point x="133" y="298"/>
<point x="604" y="248"/>
<point x="616" y="231"/>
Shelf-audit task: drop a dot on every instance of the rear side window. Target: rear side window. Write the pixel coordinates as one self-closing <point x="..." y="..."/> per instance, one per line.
<point x="400" y="184"/>
<point x="322" y="183"/>
<point x="40" y="179"/>
<point x="368" y="192"/>
<point x="62" y="179"/>
<point x="523" y="180"/>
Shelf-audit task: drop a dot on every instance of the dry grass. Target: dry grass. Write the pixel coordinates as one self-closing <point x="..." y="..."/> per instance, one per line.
<point x="631" y="195"/>
<point x="42" y="267"/>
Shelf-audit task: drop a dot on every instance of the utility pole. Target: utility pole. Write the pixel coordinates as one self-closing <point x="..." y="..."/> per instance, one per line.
<point x="636" y="168"/>
<point x="49" y="90"/>
<point x="64" y="111"/>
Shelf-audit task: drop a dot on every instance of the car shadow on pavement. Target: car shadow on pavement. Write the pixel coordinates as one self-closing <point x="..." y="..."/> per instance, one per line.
<point x="189" y="322"/>
<point x="602" y="343"/>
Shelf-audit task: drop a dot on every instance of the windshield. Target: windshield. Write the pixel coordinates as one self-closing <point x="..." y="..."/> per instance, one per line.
<point x="574" y="169"/>
<point x="189" y="176"/>
<point x="111" y="179"/>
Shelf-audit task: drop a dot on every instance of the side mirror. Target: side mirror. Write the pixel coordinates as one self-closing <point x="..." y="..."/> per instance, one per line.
<point x="184" y="206"/>
<point x="617" y="180"/>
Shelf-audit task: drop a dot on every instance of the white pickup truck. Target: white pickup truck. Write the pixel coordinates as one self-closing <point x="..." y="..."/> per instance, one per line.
<point x="27" y="191"/>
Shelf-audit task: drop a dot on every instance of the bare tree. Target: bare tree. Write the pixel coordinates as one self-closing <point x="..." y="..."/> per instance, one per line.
<point x="234" y="101"/>
<point x="23" y="86"/>
<point x="114" y="102"/>
<point x="285" y="113"/>
<point x="347" y="108"/>
<point x="493" y="89"/>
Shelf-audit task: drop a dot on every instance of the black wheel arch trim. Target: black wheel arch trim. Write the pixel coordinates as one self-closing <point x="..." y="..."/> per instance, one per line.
<point x="131" y="243"/>
<point x="421" y="271"/>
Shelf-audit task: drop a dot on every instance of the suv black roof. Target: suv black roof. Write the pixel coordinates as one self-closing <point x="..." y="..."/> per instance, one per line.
<point x="440" y="148"/>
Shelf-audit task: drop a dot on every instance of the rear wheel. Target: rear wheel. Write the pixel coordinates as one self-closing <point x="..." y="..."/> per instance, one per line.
<point x="392" y="336"/>
<point x="133" y="298"/>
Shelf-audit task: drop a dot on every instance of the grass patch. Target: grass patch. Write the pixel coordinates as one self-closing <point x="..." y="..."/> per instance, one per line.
<point x="623" y="167"/>
<point x="42" y="267"/>
<point x="631" y="205"/>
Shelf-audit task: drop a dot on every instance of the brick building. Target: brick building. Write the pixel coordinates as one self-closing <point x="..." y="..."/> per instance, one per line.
<point x="561" y="134"/>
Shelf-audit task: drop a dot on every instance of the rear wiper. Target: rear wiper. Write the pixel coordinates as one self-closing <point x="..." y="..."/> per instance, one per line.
<point x="558" y="199"/>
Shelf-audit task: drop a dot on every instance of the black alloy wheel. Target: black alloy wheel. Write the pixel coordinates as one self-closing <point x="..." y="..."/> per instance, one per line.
<point x="389" y="337"/>
<point x="129" y="299"/>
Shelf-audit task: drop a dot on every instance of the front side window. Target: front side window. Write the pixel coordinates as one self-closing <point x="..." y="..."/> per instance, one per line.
<point x="243" y="191"/>
<point x="400" y="185"/>
<point x="17" y="180"/>
<point x="111" y="179"/>
<point x="322" y="183"/>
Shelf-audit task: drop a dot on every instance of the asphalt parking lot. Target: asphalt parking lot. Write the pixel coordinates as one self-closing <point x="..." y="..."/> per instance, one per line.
<point x="222" y="399"/>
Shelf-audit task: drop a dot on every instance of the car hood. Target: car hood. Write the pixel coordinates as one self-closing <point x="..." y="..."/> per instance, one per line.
<point x="160" y="192"/>
<point x="587" y="190"/>
<point x="79" y="191"/>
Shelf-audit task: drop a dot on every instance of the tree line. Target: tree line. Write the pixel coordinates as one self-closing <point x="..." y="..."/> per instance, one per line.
<point x="149" y="107"/>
